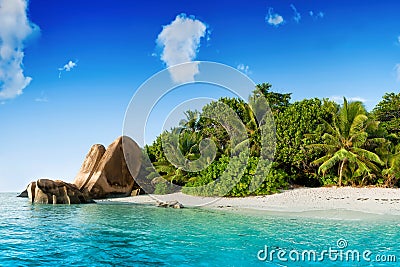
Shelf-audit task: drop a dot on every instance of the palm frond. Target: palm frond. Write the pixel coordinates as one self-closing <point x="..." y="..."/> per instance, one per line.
<point x="328" y="164"/>
<point x="358" y="125"/>
<point x="359" y="139"/>
<point x="371" y="156"/>
<point x="321" y="160"/>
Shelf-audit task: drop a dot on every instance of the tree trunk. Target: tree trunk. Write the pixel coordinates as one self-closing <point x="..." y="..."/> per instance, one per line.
<point x="341" y="172"/>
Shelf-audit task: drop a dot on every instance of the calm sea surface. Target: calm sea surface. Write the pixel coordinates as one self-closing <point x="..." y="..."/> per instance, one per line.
<point x="132" y="235"/>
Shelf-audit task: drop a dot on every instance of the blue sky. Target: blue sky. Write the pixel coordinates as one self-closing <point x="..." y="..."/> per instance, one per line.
<point x="83" y="60"/>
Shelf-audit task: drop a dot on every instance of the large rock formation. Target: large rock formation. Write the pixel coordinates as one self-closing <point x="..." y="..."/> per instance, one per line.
<point x="31" y="191"/>
<point x="89" y="165"/>
<point x="23" y="194"/>
<point x="106" y="174"/>
<point x="45" y="191"/>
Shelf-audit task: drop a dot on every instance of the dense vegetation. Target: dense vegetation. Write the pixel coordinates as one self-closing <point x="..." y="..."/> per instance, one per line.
<point x="318" y="143"/>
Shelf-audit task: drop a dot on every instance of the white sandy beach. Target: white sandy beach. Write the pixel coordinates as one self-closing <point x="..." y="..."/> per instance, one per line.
<point x="366" y="200"/>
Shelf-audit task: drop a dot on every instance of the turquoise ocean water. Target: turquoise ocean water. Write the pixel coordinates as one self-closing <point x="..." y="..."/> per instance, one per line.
<point x="132" y="235"/>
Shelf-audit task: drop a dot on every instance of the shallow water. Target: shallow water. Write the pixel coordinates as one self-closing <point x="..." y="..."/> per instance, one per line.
<point x="133" y="235"/>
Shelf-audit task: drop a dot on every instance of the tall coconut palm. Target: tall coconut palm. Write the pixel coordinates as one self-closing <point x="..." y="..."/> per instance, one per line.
<point x="346" y="143"/>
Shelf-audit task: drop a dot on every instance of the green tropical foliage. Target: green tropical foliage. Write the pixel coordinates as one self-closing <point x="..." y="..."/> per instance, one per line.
<point x="220" y="150"/>
<point x="392" y="170"/>
<point x="346" y="143"/>
<point x="292" y="126"/>
<point x="388" y="113"/>
<point x="390" y="154"/>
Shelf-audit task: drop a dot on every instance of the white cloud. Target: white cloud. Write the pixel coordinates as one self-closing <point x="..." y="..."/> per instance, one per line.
<point x="357" y="98"/>
<point x="297" y="15"/>
<point x="67" y="67"/>
<point x="180" y="42"/>
<point x="318" y="15"/>
<point x="42" y="98"/>
<point x="398" y="39"/>
<point x="244" y="68"/>
<point x="397" y="70"/>
<point x="274" y="19"/>
<point x="339" y="99"/>
<point x="15" y="28"/>
<point x="208" y="35"/>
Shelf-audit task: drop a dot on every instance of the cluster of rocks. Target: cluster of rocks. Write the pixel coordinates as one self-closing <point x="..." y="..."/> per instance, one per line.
<point x="103" y="174"/>
<point x="170" y="204"/>
<point x="45" y="191"/>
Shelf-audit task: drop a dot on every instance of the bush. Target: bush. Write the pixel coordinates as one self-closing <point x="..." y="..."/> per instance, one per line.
<point x="229" y="184"/>
<point x="163" y="189"/>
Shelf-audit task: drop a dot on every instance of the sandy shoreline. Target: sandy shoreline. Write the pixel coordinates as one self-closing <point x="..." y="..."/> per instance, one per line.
<point x="381" y="201"/>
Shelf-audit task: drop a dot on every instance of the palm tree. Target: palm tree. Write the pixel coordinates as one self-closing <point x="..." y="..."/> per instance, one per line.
<point x="181" y="151"/>
<point x="347" y="143"/>
<point x="191" y="122"/>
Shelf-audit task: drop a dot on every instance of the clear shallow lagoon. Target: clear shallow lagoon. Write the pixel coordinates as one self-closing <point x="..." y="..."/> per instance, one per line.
<point x="132" y="235"/>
